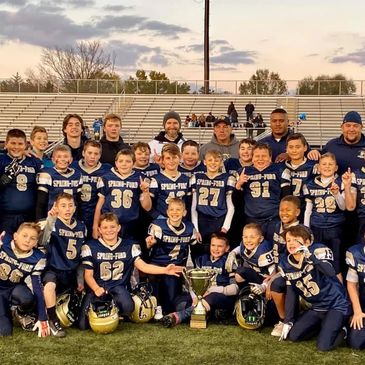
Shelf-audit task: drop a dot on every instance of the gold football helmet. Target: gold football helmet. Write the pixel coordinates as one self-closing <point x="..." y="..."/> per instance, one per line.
<point x="144" y="304"/>
<point x="103" y="315"/>
<point x="250" y="309"/>
<point x="68" y="307"/>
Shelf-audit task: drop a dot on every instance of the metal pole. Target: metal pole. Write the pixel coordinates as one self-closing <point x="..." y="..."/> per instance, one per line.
<point x="206" y="48"/>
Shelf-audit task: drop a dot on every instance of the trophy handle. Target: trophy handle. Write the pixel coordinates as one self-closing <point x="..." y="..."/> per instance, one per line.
<point x="186" y="277"/>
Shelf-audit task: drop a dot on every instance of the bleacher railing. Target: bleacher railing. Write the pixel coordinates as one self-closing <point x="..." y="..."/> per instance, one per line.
<point x="167" y="87"/>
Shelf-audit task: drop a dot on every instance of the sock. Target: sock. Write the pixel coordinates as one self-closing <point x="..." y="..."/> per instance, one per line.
<point x="52" y="313"/>
<point x="183" y="315"/>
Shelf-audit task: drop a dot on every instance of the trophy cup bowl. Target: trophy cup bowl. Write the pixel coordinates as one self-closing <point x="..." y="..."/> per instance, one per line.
<point x="199" y="281"/>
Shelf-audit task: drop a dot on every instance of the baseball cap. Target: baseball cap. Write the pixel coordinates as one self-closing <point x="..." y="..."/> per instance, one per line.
<point x="222" y="119"/>
<point x="352" y="117"/>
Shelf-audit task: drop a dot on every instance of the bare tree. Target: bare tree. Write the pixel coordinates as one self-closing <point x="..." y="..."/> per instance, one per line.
<point x="86" y="60"/>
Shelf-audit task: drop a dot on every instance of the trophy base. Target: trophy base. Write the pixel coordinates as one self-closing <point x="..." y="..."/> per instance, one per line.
<point x="198" y="321"/>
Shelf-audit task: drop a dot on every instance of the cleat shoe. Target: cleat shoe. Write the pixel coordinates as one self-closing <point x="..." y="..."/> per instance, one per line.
<point x="169" y="320"/>
<point x="278" y="329"/>
<point x="56" y="329"/>
<point x="158" y="313"/>
<point x="26" y="320"/>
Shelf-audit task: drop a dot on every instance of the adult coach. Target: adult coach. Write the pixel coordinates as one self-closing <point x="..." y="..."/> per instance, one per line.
<point x="111" y="141"/>
<point x="223" y="140"/>
<point x="171" y="134"/>
<point x="279" y="124"/>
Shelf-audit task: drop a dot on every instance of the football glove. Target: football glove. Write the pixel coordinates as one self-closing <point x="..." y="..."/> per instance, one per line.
<point x="231" y="263"/>
<point x="286" y="329"/>
<point x="258" y="289"/>
<point x="43" y="328"/>
<point x="303" y="250"/>
<point x="10" y="172"/>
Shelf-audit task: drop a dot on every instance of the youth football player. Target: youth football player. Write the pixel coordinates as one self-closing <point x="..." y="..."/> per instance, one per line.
<point x="325" y="204"/>
<point x="109" y="262"/>
<point x="18" y="185"/>
<point x="56" y="180"/>
<point x="220" y="295"/>
<point x="170" y="183"/>
<point x="63" y="242"/>
<point x="39" y="143"/>
<point x="355" y="260"/>
<point x="232" y="165"/>
<point x="91" y="170"/>
<point x="310" y="274"/>
<point x="142" y="153"/>
<point x="263" y="186"/>
<point x="21" y="266"/>
<point x="121" y="191"/>
<point x="170" y="240"/>
<point x="212" y="208"/>
<point x="190" y="163"/>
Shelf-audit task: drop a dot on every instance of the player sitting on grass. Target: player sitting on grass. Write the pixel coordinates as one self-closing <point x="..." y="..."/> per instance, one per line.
<point x="309" y="273"/>
<point x="109" y="262"/>
<point x="170" y="239"/>
<point x="21" y="266"/>
<point x="63" y="244"/>
<point x="221" y="295"/>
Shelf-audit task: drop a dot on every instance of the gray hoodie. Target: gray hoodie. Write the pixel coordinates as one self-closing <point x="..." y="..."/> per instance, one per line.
<point x="230" y="150"/>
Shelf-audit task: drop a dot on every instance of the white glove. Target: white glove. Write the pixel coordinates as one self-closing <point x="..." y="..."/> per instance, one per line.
<point x="258" y="289"/>
<point x="231" y="263"/>
<point x="286" y="329"/>
<point x="43" y="328"/>
<point x="303" y="250"/>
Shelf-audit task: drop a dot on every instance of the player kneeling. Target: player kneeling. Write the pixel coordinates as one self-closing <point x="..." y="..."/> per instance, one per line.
<point x="109" y="262"/>
<point x="21" y="265"/>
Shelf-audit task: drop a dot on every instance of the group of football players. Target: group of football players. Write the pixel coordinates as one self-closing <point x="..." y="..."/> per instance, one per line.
<point x="115" y="241"/>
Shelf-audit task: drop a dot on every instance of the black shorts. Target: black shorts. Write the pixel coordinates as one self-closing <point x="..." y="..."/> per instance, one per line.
<point x="64" y="280"/>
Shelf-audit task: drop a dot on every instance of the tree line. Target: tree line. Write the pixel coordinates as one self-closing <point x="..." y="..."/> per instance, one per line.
<point x="88" y="68"/>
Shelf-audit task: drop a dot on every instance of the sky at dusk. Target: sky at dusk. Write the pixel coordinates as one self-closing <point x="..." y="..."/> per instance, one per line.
<point x="295" y="38"/>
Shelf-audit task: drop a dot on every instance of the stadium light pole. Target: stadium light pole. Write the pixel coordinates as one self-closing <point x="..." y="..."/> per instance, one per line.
<point x="206" y="48"/>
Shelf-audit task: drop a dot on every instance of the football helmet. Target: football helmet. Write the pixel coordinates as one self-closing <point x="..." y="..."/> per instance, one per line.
<point x="144" y="303"/>
<point x="250" y="309"/>
<point x="103" y="314"/>
<point x="68" y="307"/>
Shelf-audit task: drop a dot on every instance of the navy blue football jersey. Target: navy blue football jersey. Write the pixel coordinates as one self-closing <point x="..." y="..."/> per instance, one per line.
<point x="121" y="195"/>
<point x="323" y="292"/>
<point x="222" y="277"/>
<point x="233" y="165"/>
<point x="18" y="268"/>
<point x="359" y="184"/>
<point x="54" y="182"/>
<point x="89" y="191"/>
<point x="149" y="171"/>
<point x="355" y="260"/>
<point x="64" y="245"/>
<point x="211" y="193"/>
<point x="172" y="246"/>
<point x="262" y="191"/>
<point x="299" y="175"/>
<point x="325" y="212"/>
<point x="163" y="188"/>
<point x="20" y="195"/>
<point x="189" y="172"/>
<point x="261" y="259"/>
<point x="112" y="265"/>
<point x="279" y="243"/>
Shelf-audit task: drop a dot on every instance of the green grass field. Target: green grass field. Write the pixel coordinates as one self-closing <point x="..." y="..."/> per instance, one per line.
<point x="153" y="344"/>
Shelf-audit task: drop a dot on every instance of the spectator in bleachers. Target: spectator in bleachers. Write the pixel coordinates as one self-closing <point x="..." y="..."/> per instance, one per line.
<point x="223" y="140"/>
<point x="170" y="134"/>
<point x="111" y="140"/>
<point x="230" y="108"/>
<point x="73" y="129"/>
<point x="202" y="120"/>
<point x="194" y="121"/>
<point x="249" y="109"/>
<point x="187" y="120"/>
<point x="210" y="119"/>
<point x="259" y="124"/>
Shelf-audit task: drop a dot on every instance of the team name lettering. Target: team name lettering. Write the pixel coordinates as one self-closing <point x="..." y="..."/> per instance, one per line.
<point x="213" y="183"/>
<point x="66" y="233"/>
<point x="111" y="255"/>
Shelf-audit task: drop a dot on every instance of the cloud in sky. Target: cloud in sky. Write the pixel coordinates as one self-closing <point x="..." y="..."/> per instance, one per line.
<point x="234" y="58"/>
<point x="13" y="2"/>
<point x="117" y="8"/>
<point x="357" y="57"/>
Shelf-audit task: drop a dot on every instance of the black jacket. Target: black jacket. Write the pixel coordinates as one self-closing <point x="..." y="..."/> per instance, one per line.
<point x="110" y="149"/>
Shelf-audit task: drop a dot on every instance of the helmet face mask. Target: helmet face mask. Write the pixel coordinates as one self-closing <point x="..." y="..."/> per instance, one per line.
<point x="103" y="315"/>
<point x="250" y="310"/>
<point x="144" y="304"/>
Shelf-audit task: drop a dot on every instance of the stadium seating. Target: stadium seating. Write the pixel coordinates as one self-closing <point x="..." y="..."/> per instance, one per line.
<point x="142" y="114"/>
